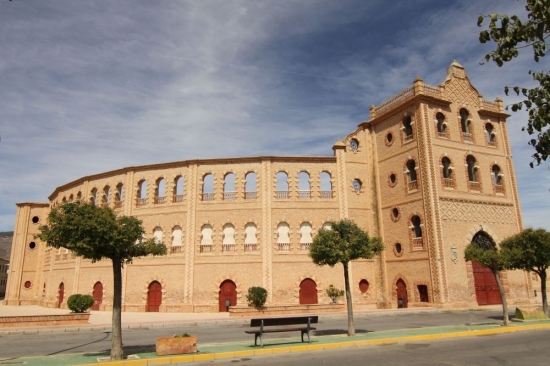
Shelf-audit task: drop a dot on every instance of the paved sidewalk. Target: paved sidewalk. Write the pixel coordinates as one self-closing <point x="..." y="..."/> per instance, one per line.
<point x="208" y="352"/>
<point x="213" y="351"/>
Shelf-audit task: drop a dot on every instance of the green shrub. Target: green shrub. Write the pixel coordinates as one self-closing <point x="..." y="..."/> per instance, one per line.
<point x="80" y="303"/>
<point x="334" y="293"/>
<point x="182" y="335"/>
<point x="256" y="297"/>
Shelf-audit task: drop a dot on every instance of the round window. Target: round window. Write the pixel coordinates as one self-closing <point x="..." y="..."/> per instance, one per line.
<point x="32" y="245"/>
<point x="28" y="284"/>
<point x="398" y="249"/>
<point x="392" y="180"/>
<point x="35" y="219"/>
<point x="356" y="185"/>
<point x="389" y="138"/>
<point x="354" y="144"/>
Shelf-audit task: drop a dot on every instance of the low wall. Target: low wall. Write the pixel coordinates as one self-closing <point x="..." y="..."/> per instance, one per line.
<point x="287" y="310"/>
<point x="43" y="320"/>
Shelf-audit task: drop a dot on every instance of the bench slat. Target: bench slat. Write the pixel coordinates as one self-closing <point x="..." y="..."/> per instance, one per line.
<point x="268" y="322"/>
<point x="279" y="330"/>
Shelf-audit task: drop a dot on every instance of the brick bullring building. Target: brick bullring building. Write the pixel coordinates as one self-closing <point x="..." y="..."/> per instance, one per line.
<point x="429" y="172"/>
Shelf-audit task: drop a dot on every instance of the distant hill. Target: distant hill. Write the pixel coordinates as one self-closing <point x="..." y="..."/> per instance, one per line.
<point x="6" y="238"/>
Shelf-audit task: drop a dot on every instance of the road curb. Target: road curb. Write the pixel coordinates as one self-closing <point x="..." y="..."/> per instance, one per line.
<point x="318" y="347"/>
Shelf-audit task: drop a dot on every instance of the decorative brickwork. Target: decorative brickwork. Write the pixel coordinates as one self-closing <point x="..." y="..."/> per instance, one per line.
<point x="476" y="211"/>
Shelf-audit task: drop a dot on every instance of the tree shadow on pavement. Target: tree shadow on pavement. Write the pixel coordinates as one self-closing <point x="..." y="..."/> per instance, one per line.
<point x="338" y="331"/>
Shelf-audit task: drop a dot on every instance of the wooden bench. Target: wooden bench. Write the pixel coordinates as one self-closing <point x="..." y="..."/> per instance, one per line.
<point x="274" y="322"/>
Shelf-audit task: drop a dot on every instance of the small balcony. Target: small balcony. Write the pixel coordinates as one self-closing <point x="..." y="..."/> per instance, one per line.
<point x="228" y="195"/>
<point x="281" y="194"/>
<point x="178" y="198"/>
<point x="499" y="188"/>
<point x="118" y="204"/>
<point x="250" y="195"/>
<point x="160" y="200"/>
<point x="176" y="249"/>
<point x="304" y="194"/>
<point x="207" y="248"/>
<point x="474" y="186"/>
<point x="408" y="138"/>
<point x="413" y="186"/>
<point x="326" y="194"/>
<point x="467" y="137"/>
<point x="448" y="182"/>
<point x="250" y="247"/>
<point x="305" y="246"/>
<point x="283" y="247"/>
<point x="417" y="244"/>
<point x="141" y="201"/>
<point x="228" y="248"/>
<point x="208" y="196"/>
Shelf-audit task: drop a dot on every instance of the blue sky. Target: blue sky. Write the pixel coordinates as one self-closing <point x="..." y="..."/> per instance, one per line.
<point x="90" y="86"/>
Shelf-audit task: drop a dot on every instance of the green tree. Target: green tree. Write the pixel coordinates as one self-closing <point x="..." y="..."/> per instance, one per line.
<point x="510" y="34"/>
<point x="530" y="251"/>
<point x="96" y="233"/>
<point x="492" y="259"/>
<point x="342" y="243"/>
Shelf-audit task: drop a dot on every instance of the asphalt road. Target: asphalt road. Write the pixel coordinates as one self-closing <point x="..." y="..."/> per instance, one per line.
<point x="524" y="348"/>
<point x="20" y="345"/>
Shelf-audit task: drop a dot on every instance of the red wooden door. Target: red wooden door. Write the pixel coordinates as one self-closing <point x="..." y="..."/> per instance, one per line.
<point x="154" y="297"/>
<point x="487" y="292"/>
<point x="60" y="294"/>
<point x="228" y="291"/>
<point x="402" y="298"/>
<point x="308" y="292"/>
<point x="98" y="295"/>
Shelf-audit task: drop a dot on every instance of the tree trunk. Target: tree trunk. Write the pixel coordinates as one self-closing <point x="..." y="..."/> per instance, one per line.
<point x="503" y="297"/>
<point x="351" y="327"/>
<point x="116" y="331"/>
<point x="542" y="276"/>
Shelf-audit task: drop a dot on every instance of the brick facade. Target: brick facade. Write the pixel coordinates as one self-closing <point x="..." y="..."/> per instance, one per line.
<point x="258" y="237"/>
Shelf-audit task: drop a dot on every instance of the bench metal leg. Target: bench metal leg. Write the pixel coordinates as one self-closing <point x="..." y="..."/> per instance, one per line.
<point x="306" y="332"/>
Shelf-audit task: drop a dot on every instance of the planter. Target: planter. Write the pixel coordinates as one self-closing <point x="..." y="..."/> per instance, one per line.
<point x="176" y="345"/>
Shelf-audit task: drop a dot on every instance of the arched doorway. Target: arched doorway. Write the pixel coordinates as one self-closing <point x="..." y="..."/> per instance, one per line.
<point x="487" y="292"/>
<point x="97" y="295"/>
<point x="228" y="295"/>
<point x="402" y="298"/>
<point x="154" y="297"/>
<point x="308" y="292"/>
<point x="60" y="294"/>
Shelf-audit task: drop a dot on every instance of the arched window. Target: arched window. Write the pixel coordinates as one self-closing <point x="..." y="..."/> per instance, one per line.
<point x="160" y="191"/>
<point x="441" y="124"/>
<point x="250" y="238"/>
<point x="158" y="235"/>
<point x="490" y="134"/>
<point x="64" y="200"/>
<point x="407" y="129"/>
<point x="250" y="189"/>
<point x="327" y="226"/>
<point x="142" y="192"/>
<point x="304" y="188"/>
<point x="282" y="185"/>
<point x="206" y="238"/>
<point x="106" y="196"/>
<point x="326" y="185"/>
<point x="228" y="244"/>
<point x="177" y="238"/>
<point x="447" y="171"/>
<point x="416" y="229"/>
<point x="283" y="238"/>
<point x="465" y="125"/>
<point x="71" y="198"/>
<point x="208" y="187"/>
<point x="497" y="179"/>
<point x="178" y="189"/>
<point x="119" y="195"/>
<point x="305" y="236"/>
<point x="229" y="187"/>
<point x="79" y="196"/>
<point x="472" y="168"/>
<point x="93" y="197"/>
<point x="411" y="175"/>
